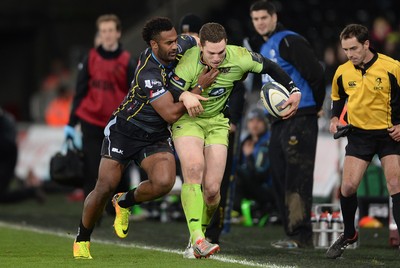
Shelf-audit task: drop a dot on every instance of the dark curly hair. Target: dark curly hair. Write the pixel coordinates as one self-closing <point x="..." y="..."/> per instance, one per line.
<point x="154" y="27"/>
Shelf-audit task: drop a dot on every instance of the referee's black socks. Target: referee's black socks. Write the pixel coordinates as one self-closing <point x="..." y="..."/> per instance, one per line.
<point x="349" y="207"/>
<point x="396" y="209"/>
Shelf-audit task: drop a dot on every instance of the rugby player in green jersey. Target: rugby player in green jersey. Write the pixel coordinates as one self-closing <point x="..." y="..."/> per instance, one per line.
<point x="201" y="142"/>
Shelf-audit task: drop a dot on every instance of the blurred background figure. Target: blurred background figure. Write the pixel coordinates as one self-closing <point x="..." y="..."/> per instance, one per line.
<point x="190" y="24"/>
<point x="59" y="109"/>
<point x="104" y="78"/>
<point x="293" y="141"/>
<point x="380" y="29"/>
<point x="253" y="179"/>
<point x="56" y="80"/>
<point x="11" y="189"/>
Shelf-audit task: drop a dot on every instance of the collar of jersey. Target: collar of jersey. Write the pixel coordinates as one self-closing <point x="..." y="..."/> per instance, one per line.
<point x="165" y="67"/>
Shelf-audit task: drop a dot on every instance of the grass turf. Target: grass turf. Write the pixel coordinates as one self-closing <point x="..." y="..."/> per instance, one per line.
<point x="23" y="248"/>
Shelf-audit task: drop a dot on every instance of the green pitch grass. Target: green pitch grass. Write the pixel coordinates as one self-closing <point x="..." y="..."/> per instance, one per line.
<point x="33" y="235"/>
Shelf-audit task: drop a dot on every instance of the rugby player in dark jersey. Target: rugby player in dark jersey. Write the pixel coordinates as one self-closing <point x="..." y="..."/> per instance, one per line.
<point x="138" y="131"/>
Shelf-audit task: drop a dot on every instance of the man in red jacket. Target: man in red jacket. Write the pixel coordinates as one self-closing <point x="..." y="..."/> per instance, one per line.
<point x="104" y="79"/>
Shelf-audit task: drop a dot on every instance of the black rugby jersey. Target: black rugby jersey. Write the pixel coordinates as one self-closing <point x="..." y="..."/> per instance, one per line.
<point x="149" y="83"/>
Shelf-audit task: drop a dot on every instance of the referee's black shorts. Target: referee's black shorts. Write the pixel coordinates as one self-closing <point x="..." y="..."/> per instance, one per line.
<point x="125" y="142"/>
<point x="364" y="144"/>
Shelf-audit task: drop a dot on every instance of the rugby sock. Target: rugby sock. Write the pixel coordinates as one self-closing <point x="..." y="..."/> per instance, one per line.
<point x="192" y="204"/>
<point x="396" y="209"/>
<point x="127" y="199"/>
<point x="208" y="212"/>
<point x="83" y="233"/>
<point x="349" y="207"/>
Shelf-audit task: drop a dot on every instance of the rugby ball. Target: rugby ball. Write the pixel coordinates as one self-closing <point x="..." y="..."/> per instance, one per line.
<point x="273" y="96"/>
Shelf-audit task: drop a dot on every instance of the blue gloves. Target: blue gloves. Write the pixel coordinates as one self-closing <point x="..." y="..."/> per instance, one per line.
<point x="75" y="136"/>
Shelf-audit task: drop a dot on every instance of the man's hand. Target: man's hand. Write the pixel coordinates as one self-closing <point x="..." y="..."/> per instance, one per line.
<point x="293" y="101"/>
<point x="334" y="125"/>
<point x="192" y="103"/>
<point x="394" y="132"/>
<point x="207" y="77"/>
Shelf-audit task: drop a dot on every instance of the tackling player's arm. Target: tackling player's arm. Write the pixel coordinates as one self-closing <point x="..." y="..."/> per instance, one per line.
<point x="171" y="111"/>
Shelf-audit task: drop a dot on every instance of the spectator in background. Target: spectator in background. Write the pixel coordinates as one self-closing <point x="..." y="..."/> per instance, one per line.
<point x="392" y="45"/>
<point x="293" y="142"/>
<point x="103" y="80"/>
<point x="190" y="24"/>
<point x="58" y="76"/>
<point x="8" y="161"/>
<point x="253" y="179"/>
<point x="380" y="30"/>
<point x="59" y="109"/>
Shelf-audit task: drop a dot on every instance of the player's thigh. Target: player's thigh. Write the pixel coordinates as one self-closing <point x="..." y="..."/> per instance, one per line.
<point x="353" y="171"/>
<point x="190" y="150"/>
<point x="391" y="169"/>
<point x="215" y="156"/>
<point x="110" y="172"/>
<point x="160" y="168"/>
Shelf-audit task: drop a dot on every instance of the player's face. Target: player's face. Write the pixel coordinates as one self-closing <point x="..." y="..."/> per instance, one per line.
<point x="108" y="35"/>
<point x="355" y="51"/>
<point x="256" y="126"/>
<point x="166" y="47"/>
<point x="214" y="53"/>
<point x="263" y="22"/>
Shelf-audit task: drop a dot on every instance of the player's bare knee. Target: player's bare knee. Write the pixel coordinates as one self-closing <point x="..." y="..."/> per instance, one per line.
<point x="348" y="188"/>
<point x="194" y="171"/>
<point x="393" y="185"/>
<point x="164" y="186"/>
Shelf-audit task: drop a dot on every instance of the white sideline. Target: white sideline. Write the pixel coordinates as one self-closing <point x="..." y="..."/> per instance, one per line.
<point x="219" y="257"/>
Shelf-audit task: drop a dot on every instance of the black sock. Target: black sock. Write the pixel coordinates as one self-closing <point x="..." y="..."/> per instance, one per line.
<point x="83" y="233"/>
<point x="127" y="200"/>
<point x="396" y="209"/>
<point x="349" y="207"/>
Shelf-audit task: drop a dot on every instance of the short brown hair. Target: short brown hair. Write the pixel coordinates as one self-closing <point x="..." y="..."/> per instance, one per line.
<point x="109" y="17"/>
<point x="212" y="32"/>
<point x="355" y="30"/>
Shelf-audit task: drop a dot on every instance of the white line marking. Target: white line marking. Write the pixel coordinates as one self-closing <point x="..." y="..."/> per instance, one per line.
<point x="219" y="257"/>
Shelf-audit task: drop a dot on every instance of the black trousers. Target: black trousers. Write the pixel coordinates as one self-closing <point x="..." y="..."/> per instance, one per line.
<point x="292" y="158"/>
<point x="8" y="161"/>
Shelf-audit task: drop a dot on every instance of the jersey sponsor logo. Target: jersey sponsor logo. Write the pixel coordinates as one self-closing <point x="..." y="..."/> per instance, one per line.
<point x="224" y="70"/>
<point x="378" y="82"/>
<point x="154" y="94"/>
<point x="151" y="83"/>
<point x="178" y="81"/>
<point x="217" y="92"/>
<point x="102" y="84"/>
<point x="116" y="150"/>
<point x="256" y="56"/>
<point x="352" y="84"/>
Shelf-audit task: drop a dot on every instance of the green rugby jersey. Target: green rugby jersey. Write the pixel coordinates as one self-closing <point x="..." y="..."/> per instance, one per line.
<point x="237" y="63"/>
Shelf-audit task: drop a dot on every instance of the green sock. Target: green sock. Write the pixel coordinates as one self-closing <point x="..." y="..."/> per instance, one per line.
<point x="192" y="204"/>
<point x="208" y="213"/>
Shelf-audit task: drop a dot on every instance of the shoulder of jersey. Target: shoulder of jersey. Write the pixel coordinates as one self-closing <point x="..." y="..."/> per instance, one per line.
<point x="185" y="42"/>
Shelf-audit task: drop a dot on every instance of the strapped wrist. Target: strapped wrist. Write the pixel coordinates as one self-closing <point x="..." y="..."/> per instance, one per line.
<point x="199" y="87"/>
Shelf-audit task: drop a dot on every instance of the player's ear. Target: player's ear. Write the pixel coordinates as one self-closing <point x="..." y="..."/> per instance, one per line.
<point x="153" y="44"/>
